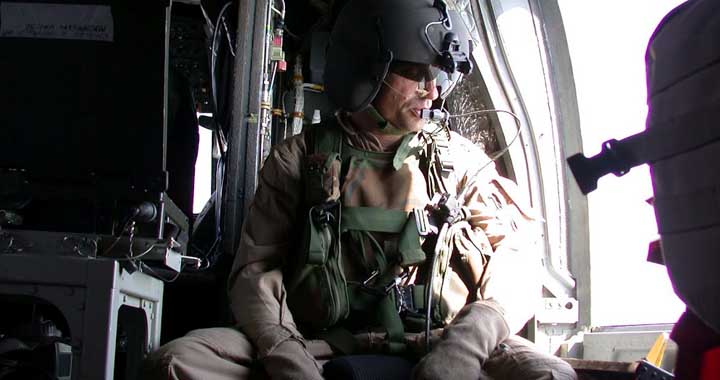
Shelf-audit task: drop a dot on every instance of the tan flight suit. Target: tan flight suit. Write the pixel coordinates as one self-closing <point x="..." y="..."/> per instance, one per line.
<point x="489" y="293"/>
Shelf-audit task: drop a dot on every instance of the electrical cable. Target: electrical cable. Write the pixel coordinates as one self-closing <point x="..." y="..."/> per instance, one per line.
<point x="445" y="22"/>
<point x="214" y="46"/>
<point x="277" y="11"/>
<point x="427" y="36"/>
<point x="283" y="9"/>
<point x="213" y="59"/>
<point x="219" y="117"/>
<point x="207" y="257"/>
<point x="117" y="239"/>
<point x="207" y="18"/>
<point x="499" y="154"/>
<point x="218" y="199"/>
<point x="231" y="45"/>
<point x="272" y="77"/>
<point x="291" y="34"/>
<point x="131" y="256"/>
<point x="157" y="275"/>
<point x="134" y="256"/>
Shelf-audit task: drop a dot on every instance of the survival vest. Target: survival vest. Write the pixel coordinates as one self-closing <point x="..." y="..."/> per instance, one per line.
<point x="320" y="295"/>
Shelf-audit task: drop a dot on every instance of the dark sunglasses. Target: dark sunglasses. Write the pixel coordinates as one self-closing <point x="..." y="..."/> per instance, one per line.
<point x="414" y="71"/>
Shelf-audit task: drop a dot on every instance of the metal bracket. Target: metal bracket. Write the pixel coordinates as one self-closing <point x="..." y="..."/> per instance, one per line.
<point x="558" y="310"/>
<point x="647" y="371"/>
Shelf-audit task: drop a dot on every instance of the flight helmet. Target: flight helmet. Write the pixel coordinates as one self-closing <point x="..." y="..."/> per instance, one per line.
<point x="370" y="35"/>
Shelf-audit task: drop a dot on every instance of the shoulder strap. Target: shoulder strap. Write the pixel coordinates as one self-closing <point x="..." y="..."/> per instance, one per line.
<point x="322" y="164"/>
<point x="440" y="175"/>
<point x="324" y="138"/>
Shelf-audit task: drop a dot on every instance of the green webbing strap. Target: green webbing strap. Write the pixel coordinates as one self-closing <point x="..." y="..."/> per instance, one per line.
<point x="361" y="300"/>
<point x="385" y="310"/>
<point x="386" y="314"/>
<point x="327" y="139"/>
<point x="319" y="241"/>
<point x="419" y="296"/>
<point x="416" y="321"/>
<point x="373" y="219"/>
<point x="391" y="221"/>
<point x="389" y="318"/>
<point x="365" y="157"/>
<point x="357" y="238"/>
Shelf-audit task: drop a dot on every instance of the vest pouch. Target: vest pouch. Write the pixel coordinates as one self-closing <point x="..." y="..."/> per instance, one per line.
<point x="409" y="245"/>
<point x="317" y="290"/>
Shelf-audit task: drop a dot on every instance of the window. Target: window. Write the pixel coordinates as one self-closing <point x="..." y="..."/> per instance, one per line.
<point x="607" y="42"/>
<point x="574" y="72"/>
<point x="527" y="70"/>
<point x="203" y="170"/>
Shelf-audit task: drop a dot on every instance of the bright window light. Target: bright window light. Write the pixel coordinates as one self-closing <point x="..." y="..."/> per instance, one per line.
<point x="607" y="41"/>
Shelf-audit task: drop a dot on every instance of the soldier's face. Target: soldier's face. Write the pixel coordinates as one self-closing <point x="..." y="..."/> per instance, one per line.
<point x="401" y="98"/>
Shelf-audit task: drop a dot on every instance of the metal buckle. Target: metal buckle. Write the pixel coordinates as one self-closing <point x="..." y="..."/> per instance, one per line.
<point x="422" y="222"/>
<point x="321" y="213"/>
<point x="404" y="299"/>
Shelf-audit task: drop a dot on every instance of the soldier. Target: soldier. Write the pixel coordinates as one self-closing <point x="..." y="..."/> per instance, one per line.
<point x="374" y="229"/>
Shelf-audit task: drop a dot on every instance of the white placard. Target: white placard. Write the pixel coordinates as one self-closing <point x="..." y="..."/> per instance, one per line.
<point x="61" y="21"/>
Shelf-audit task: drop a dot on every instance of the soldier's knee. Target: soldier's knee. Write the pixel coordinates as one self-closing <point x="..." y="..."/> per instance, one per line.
<point x="220" y="341"/>
<point x="160" y="363"/>
<point x="198" y="353"/>
<point x="561" y="370"/>
<point x="518" y="358"/>
<point x="176" y="348"/>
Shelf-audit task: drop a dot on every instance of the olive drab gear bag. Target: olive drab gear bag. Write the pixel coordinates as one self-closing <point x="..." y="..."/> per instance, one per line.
<point x="320" y="271"/>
